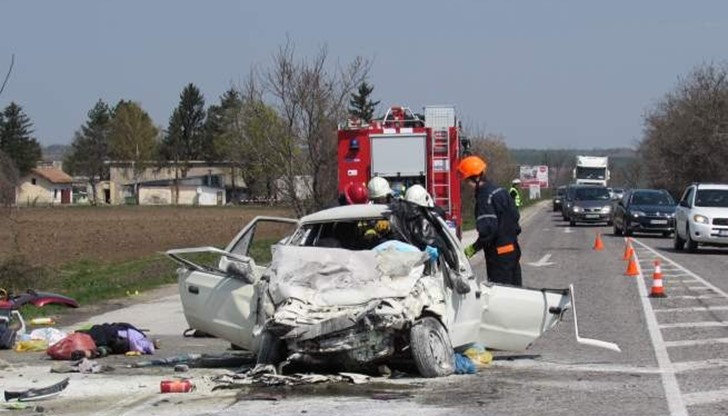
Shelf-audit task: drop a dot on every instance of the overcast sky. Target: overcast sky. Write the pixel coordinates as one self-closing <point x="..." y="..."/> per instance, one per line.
<point x="546" y="74"/>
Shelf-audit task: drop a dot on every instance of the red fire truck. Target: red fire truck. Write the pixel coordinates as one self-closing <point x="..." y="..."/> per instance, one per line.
<point x="406" y="149"/>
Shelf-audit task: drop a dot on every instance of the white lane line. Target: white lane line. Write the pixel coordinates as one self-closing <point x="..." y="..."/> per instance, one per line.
<point x="686" y="271"/>
<point x="704" y="397"/>
<point x="698" y="288"/>
<point x="702" y="324"/>
<point x="694" y="309"/>
<point x="585" y="368"/>
<point x="715" y="296"/>
<point x="685" y="366"/>
<point x="696" y="342"/>
<point x="675" y="402"/>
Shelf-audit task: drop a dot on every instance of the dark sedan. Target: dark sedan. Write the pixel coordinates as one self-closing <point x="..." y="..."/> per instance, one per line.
<point x="588" y="203"/>
<point x="558" y="198"/>
<point x="645" y="211"/>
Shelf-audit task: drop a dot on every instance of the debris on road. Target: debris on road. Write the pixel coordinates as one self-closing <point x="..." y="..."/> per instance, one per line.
<point x="267" y="376"/>
<point x="39" y="393"/>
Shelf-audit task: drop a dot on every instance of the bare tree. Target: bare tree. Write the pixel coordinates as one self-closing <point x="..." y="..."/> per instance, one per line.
<point x="686" y="134"/>
<point x="7" y="76"/>
<point x="310" y="99"/>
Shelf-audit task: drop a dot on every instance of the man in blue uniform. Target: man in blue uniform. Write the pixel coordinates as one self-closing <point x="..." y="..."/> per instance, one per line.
<point x="496" y="219"/>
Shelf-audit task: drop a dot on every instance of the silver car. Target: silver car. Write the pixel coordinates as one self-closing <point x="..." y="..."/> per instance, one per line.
<point x="359" y="285"/>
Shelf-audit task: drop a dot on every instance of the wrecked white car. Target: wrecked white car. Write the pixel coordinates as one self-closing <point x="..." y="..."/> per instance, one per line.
<point x="357" y="286"/>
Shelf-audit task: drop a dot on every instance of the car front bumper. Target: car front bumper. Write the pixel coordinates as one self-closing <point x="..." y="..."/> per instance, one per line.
<point x="651" y="224"/>
<point x="708" y="234"/>
<point x="590" y="217"/>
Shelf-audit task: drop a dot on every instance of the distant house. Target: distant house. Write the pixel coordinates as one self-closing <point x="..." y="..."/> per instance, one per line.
<point x="156" y="185"/>
<point x="45" y="186"/>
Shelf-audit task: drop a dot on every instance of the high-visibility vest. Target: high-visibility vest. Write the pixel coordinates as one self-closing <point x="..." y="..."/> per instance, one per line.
<point x="516" y="195"/>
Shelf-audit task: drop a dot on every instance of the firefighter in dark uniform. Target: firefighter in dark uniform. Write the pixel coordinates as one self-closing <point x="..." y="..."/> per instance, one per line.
<point x="496" y="219"/>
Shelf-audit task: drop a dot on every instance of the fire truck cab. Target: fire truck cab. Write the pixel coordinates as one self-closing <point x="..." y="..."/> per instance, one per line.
<point x="406" y="149"/>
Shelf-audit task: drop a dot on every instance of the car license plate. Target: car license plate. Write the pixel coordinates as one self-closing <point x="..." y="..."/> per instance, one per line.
<point x="591" y="216"/>
<point x="723" y="233"/>
<point x="658" y="222"/>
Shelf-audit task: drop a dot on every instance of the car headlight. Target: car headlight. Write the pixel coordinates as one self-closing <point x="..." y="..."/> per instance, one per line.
<point x="700" y="219"/>
<point x="607" y="209"/>
<point x="670" y="214"/>
<point x="638" y="214"/>
<point x="577" y="209"/>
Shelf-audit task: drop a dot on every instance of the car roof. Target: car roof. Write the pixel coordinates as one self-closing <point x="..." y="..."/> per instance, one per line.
<point x="347" y="213"/>
<point x="634" y="191"/>
<point x="711" y="185"/>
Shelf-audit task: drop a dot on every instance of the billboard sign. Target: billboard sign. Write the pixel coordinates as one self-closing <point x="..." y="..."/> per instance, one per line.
<point x="534" y="175"/>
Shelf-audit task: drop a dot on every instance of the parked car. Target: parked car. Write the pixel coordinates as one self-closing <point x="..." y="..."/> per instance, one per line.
<point x="558" y="197"/>
<point x="325" y="293"/>
<point x="567" y="201"/>
<point x="589" y="204"/>
<point x="644" y="210"/>
<point x="701" y="216"/>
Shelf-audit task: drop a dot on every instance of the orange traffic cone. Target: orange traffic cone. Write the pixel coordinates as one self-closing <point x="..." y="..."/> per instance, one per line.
<point x="628" y="250"/>
<point x="632" y="267"/>
<point x="598" y="245"/>
<point x="658" y="291"/>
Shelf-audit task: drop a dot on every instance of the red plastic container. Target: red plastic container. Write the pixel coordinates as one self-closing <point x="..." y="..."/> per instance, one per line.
<point x="176" y="386"/>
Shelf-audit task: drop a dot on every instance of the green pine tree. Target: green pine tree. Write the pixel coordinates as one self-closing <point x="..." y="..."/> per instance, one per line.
<point x="16" y="140"/>
<point x="223" y="122"/>
<point x="360" y="105"/>
<point x="90" y="147"/>
<point x="186" y="140"/>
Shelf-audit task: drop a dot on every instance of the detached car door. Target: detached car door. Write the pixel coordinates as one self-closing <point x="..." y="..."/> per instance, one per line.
<point x="514" y="317"/>
<point x="221" y="300"/>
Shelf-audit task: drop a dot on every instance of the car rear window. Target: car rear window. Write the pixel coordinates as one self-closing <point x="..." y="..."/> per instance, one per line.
<point x="591" y="194"/>
<point x="712" y="198"/>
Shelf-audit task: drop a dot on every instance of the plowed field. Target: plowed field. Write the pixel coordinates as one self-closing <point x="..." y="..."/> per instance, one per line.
<point x="54" y="236"/>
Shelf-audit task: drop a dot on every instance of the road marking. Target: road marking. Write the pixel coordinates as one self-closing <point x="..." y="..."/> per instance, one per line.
<point x="699" y="365"/>
<point x="675" y="402"/>
<point x="702" y="324"/>
<point x="585" y="368"/>
<point x="715" y="296"/>
<point x="704" y="397"/>
<point x="693" y="309"/>
<point x="686" y="271"/>
<point x="544" y="261"/>
<point x="695" y="342"/>
<point x="568" y="230"/>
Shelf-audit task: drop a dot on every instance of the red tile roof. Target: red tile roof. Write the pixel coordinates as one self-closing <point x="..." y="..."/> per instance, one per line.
<point x="54" y="175"/>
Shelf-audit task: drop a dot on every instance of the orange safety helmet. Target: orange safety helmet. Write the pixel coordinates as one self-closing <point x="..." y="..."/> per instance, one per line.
<point x="356" y="193"/>
<point x="472" y="166"/>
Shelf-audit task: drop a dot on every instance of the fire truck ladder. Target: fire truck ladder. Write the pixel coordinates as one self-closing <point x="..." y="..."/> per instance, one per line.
<point x="441" y="169"/>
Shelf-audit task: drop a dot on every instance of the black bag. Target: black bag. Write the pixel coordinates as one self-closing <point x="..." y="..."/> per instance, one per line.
<point x="7" y="335"/>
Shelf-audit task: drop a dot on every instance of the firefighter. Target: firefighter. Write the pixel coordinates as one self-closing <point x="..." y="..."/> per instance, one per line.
<point x="515" y="192"/>
<point x="496" y="219"/>
<point x="417" y="194"/>
<point x="379" y="190"/>
<point x="355" y="193"/>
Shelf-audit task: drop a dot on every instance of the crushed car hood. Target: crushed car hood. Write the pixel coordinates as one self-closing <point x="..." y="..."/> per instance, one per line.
<point x="337" y="277"/>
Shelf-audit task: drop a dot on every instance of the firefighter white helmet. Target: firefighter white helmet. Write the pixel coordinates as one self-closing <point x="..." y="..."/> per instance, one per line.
<point x="418" y="195"/>
<point x="516" y="181"/>
<point x="378" y="188"/>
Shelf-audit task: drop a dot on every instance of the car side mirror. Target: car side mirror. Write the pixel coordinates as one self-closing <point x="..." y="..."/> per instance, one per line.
<point x="240" y="271"/>
<point x="684" y="204"/>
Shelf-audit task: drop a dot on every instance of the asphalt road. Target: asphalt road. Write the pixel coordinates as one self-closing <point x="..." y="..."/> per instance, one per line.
<point x="674" y="358"/>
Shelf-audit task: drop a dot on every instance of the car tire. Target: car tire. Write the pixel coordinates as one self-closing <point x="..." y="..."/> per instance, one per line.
<point x="431" y="348"/>
<point x="617" y="231"/>
<point x="677" y="242"/>
<point x="691" y="245"/>
<point x="609" y="223"/>
<point x="572" y="223"/>
<point x="627" y="231"/>
<point x="666" y="234"/>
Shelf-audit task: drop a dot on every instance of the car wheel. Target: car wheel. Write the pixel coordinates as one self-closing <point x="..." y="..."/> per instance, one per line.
<point x="431" y="348"/>
<point x="689" y="242"/>
<point x="609" y="223"/>
<point x="617" y="231"/>
<point x="572" y="223"/>
<point x="677" y="242"/>
<point x="627" y="230"/>
<point x="666" y="234"/>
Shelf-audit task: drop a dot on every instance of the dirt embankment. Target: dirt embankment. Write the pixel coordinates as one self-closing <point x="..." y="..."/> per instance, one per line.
<point x="54" y="236"/>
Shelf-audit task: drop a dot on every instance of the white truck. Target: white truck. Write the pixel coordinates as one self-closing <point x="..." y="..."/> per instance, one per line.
<point x="591" y="170"/>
